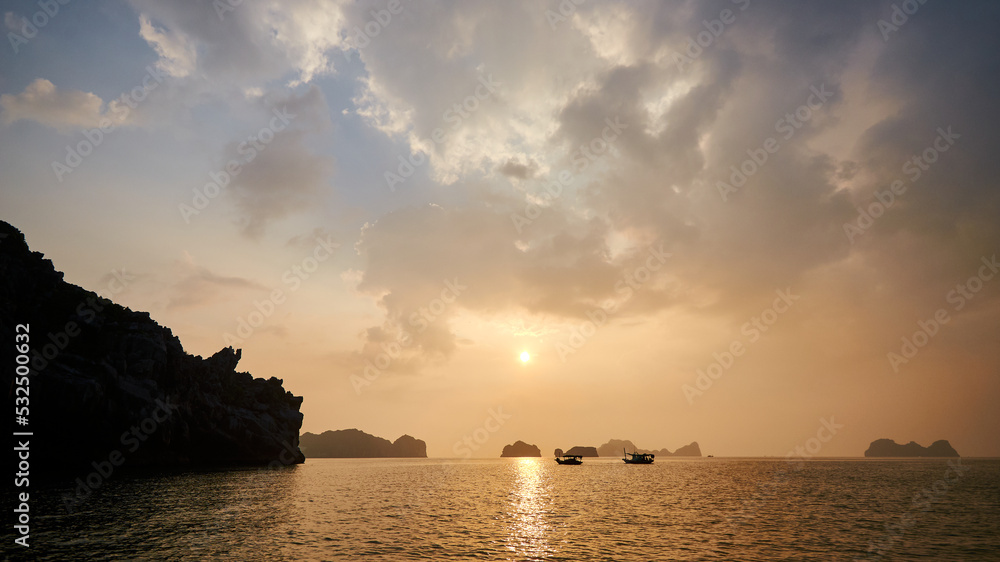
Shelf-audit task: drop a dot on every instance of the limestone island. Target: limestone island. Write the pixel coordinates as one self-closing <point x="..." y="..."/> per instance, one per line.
<point x="614" y="448"/>
<point x="581" y="451"/>
<point x="889" y="448"/>
<point x="112" y="388"/>
<point x="356" y="444"/>
<point x="521" y="449"/>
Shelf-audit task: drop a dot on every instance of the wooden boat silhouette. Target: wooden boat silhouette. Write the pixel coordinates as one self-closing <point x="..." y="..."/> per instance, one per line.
<point x="570" y="459"/>
<point x="638" y="458"/>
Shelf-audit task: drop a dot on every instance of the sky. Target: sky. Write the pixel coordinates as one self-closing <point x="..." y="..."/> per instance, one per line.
<point x="756" y="225"/>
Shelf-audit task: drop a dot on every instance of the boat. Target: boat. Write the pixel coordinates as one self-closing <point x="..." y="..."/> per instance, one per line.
<point x="638" y="458"/>
<point x="570" y="459"/>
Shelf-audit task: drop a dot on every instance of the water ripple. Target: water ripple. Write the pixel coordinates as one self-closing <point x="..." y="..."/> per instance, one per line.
<point x="533" y="509"/>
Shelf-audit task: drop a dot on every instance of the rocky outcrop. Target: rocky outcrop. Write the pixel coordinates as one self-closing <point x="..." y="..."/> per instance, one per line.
<point x="559" y="452"/>
<point x="521" y="449"/>
<point x="692" y="450"/>
<point x="407" y="446"/>
<point x="889" y="448"/>
<point x="354" y="443"/>
<point x="614" y="448"/>
<point x="583" y="451"/>
<point x="107" y="381"/>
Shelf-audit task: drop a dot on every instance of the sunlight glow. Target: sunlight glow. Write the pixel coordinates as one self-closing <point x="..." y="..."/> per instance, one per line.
<point x="525" y="356"/>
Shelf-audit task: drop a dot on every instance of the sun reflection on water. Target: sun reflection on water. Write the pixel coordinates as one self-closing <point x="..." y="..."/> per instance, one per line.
<point x="529" y="509"/>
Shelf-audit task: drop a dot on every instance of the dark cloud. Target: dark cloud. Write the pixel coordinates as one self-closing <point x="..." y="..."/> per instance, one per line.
<point x="284" y="175"/>
<point x="516" y="169"/>
<point x="283" y="178"/>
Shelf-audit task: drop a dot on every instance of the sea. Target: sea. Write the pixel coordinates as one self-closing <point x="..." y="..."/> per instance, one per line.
<point x="530" y="509"/>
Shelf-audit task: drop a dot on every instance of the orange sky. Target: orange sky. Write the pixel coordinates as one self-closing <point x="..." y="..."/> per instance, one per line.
<point x="722" y="222"/>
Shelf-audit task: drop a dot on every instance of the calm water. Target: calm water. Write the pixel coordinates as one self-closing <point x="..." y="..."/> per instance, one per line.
<point x="534" y="509"/>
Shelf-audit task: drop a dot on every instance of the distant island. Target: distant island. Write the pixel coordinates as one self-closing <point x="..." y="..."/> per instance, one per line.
<point x="583" y="451"/>
<point x="614" y="448"/>
<point x="889" y="448"/>
<point x="354" y="443"/>
<point x="111" y="388"/>
<point x="521" y="449"/>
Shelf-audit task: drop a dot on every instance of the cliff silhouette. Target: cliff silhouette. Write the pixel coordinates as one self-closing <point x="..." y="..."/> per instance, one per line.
<point x="582" y="451"/>
<point x="521" y="449"/>
<point x="889" y="448"/>
<point x="107" y="379"/>
<point x="354" y="443"/>
<point x="614" y="448"/>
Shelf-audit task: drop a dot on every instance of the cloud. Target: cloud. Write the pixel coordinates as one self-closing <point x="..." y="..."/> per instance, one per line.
<point x="307" y="241"/>
<point x="63" y="110"/>
<point x="252" y="44"/>
<point x="413" y="255"/>
<point x="426" y="72"/>
<point x="283" y="178"/>
<point x="515" y="169"/>
<point x="177" y="53"/>
<point x="283" y="175"/>
<point x="686" y="128"/>
<point x="200" y="286"/>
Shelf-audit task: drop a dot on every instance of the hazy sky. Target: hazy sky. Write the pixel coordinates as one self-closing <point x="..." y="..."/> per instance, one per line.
<point x="721" y="221"/>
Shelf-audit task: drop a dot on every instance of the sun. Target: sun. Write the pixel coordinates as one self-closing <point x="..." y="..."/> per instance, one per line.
<point x="525" y="356"/>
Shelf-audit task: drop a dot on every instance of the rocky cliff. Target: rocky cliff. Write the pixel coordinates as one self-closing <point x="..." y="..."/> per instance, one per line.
<point x="354" y="443"/>
<point x="107" y="382"/>
<point x="521" y="449"/>
<point x="889" y="448"/>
